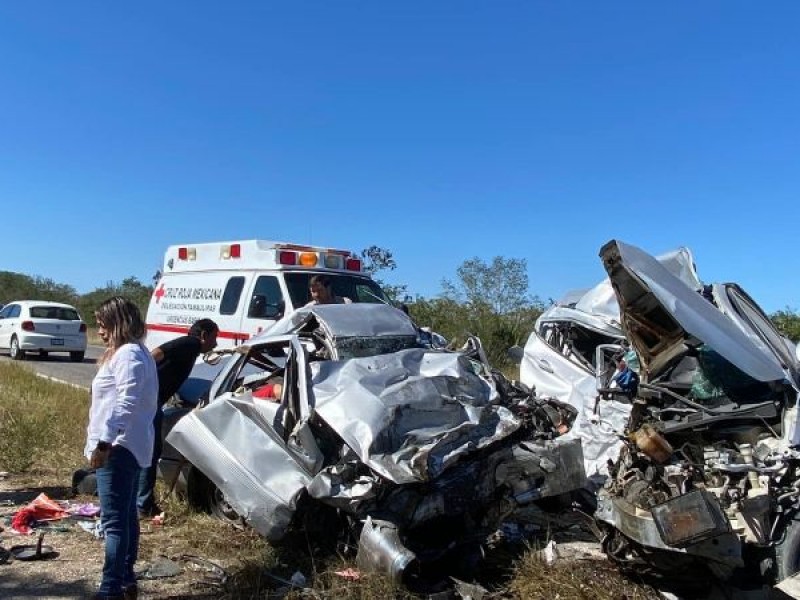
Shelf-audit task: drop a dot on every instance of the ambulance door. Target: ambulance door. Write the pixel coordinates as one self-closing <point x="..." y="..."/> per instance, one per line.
<point x="265" y="305"/>
<point x="230" y="310"/>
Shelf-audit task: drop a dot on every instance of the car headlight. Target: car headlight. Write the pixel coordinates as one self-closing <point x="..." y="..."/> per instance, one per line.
<point x="690" y="518"/>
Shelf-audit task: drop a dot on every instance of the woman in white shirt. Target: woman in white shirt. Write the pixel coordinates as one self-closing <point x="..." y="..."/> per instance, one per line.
<point x="120" y="438"/>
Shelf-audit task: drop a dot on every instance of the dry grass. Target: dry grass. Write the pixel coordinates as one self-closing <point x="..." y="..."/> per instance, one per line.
<point x="575" y="580"/>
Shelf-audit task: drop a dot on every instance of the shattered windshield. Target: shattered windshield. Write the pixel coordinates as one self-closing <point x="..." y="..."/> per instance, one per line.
<point x="358" y="347"/>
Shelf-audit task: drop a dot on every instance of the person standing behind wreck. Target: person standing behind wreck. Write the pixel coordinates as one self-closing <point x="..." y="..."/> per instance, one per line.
<point x="174" y="362"/>
<point x="120" y="438"/>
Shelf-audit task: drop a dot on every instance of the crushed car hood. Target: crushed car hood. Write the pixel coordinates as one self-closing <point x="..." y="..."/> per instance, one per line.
<point x="410" y="414"/>
<point x="407" y="415"/>
<point x="662" y="316"/>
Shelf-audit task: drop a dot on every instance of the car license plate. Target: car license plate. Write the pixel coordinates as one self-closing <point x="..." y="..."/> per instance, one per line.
<point x="57" y="342"/>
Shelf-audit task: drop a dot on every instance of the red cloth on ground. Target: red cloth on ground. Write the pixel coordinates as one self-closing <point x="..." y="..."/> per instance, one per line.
<point x="41" y="508"/>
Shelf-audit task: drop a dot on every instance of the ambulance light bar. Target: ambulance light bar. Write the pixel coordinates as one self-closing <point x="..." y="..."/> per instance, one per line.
<point x="187" y="253"/>
<point x="333" y="261"/>
<point x="231" y="251"/>
<point x="330" y="259"/>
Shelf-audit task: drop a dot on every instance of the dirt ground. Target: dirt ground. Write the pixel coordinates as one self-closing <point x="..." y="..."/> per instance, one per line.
<point x="75" y="572"/>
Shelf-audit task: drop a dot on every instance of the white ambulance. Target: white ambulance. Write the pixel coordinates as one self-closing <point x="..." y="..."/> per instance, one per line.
<point x="245" y="286"/>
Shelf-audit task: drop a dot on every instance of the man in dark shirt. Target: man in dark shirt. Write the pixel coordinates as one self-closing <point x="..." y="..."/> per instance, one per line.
<point x="174" y="361"/>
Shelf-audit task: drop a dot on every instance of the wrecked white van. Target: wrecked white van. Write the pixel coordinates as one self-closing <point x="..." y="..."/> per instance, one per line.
<point x="707" y="481"/>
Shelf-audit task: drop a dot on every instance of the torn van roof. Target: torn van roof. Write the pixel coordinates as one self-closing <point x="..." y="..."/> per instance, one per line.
<point x="661" y="315"/>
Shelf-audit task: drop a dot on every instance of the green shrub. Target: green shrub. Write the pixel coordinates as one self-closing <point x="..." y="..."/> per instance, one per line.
<point x="42" y="424"/>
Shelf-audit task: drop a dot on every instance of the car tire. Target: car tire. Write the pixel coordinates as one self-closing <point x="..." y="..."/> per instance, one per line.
<point x="43" y="354"/>
<point x="76" y="356"/>
<point x="787" y="551"/>
<point x="14" y="351"/>
<point x="205" y="495"/>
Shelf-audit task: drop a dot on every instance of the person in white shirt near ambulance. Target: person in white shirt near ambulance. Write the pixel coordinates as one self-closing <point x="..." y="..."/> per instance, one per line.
<point x="120" y="438"/>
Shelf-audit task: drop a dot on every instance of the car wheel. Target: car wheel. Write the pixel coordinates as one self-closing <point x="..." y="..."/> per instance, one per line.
<point x="15" y="351"/>
<point x="787" y="551"/>
<point x="205" y="495"/>
<point x="43" y="353"/>
<point x="76" y="356"/>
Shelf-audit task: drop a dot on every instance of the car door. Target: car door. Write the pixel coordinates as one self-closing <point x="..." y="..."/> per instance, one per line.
<point x="10" y="324"/>
<point x="5" y="325"/>
<point x="265" y="305"/>
<point x="258" y="453"/>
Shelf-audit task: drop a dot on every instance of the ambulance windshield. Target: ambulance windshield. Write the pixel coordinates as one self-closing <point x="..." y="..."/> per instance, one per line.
<point x="358" y="289"/>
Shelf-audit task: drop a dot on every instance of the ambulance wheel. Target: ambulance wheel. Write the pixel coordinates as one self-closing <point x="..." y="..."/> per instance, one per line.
<point x="205" y="495"/>
<point x="76" y="356"/>
<point x="15" y="352"/>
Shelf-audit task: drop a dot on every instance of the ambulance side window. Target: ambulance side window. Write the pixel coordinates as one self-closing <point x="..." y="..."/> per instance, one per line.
<point x="231" y="295"/>
<point x="267" y="301"/>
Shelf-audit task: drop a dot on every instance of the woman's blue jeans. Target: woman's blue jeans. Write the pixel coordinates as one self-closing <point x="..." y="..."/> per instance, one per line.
<point x="116" y="485"/>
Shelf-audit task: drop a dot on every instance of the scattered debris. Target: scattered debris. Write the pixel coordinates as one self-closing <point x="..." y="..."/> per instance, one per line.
<point x="469" y="591"/>
<point x="93" y="527"/>
<point x="214" y="573"/>
<point x="41" y="508"/>
<point x="349" y="574"/>
<point x="37" y="551"/>
<point x="162" y="567"/>
<point x="550" y="553"/>
<point x="84" y="510"/>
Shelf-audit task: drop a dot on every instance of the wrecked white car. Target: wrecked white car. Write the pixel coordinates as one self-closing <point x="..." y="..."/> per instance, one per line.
<point x="417" y="450"/>
<point x="560" y="361"/>
<point x="706" y="482"/>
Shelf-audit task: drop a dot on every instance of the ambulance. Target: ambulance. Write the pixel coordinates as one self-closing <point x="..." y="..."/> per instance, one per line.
<point x="245" y="286"/>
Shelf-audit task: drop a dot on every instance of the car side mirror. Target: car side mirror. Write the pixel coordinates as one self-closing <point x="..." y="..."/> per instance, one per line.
<point x="273" y="311"/>
<point x="261" y="309"/>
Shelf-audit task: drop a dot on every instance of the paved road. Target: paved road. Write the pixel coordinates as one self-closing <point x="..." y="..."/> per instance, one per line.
<point x="58" y="366"/>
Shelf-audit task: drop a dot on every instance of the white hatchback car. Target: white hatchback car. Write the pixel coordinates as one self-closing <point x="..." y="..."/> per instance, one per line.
<point x="43" y="327"/>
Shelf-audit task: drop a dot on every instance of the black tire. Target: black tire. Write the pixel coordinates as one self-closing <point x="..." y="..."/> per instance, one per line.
<point x="14" y="351"/>
<point x="43" y="354"/>
<point x="76" y="356"/>
<point x="787" y="551"/>
<point x="203" y="494"/>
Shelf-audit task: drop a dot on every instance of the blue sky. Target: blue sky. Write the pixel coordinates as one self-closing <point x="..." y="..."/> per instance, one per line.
<point x="442" y="131"/>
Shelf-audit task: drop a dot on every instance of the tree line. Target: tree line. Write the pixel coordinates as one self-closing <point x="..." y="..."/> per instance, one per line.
<point x="489" y="299"/>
